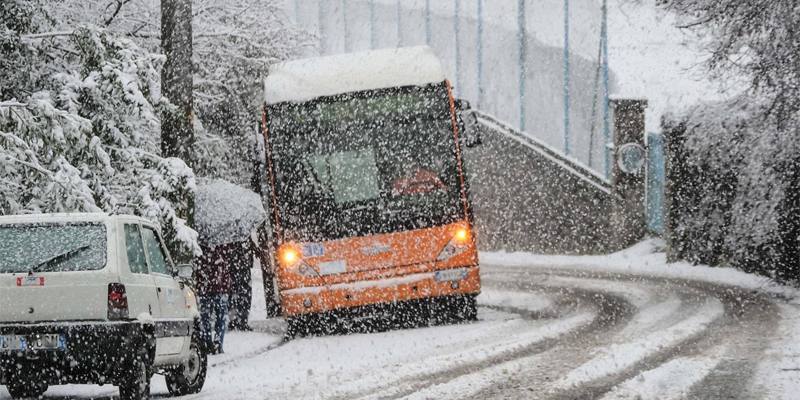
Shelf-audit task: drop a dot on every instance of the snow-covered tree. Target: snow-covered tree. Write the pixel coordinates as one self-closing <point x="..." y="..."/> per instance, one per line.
<point x="79" y="127"/>
<point x="757" y="39"/>
<point x="80" y="104"/>
<point x="747" y="149"/>
<point x="234" y="43"/>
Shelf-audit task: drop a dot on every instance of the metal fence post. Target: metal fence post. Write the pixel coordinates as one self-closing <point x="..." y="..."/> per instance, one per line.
<point x="428" y="22"/>
<point x="480" y="53"/>
<point x="373" y="38"/>
<point x="399" y="17"/>
<point x="523" y="44"/>
<point x="457" y="31"/>
<point x="321" y="26"/>
<point x="345" y="29"/>
<point x="606" y="117"/>
<point x="567" y="132"/>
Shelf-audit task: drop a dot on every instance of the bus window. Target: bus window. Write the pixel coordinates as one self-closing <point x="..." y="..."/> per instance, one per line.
<point x="351" y="176"/>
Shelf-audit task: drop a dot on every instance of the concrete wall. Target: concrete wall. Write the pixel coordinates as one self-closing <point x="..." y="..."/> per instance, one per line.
<point x="527" y="197"/>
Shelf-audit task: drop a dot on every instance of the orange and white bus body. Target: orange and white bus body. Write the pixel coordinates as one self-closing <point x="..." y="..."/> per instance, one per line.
<point x="366" y="183"/>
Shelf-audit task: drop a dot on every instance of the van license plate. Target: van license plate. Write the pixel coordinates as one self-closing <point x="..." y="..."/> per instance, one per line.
<point x="32" y="342"/>
<point x="450" y="275"/>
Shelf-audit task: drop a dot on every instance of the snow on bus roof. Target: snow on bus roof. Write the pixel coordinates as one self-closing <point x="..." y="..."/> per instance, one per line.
<point x="310" y="78"/>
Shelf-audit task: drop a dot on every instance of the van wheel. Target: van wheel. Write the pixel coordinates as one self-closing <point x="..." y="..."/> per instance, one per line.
<point x="26" y="390"/>
<point x="136" y="385"/>
<point x="189" y="377"/>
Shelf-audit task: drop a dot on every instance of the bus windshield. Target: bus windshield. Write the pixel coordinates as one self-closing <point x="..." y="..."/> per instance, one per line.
<point x="365" y="163"/>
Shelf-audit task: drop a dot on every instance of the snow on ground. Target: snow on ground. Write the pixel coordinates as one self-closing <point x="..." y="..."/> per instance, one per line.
<point x="669" y="381"/>
<point x="531" y="302"/>
<point x="779" y="375"/>
<point x="646" y="258"/>
<point x="536" y="333"/>
<point x="338" y="365"/>
<point x="456" y="361"/>
<point x="624" y="355"/>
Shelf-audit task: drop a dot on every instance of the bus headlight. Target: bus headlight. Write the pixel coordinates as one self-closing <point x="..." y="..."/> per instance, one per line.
<point x="288" y="256"/>
<point x="462" y="236"/>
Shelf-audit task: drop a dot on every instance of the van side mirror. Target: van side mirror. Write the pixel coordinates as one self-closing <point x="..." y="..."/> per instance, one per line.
<point x="184" y="271"/>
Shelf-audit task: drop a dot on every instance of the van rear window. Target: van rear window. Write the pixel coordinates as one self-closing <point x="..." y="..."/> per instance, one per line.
<point x="52" y="247"/>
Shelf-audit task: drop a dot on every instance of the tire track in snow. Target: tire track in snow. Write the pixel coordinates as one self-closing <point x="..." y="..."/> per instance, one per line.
<point x="610" y="313"/>
<point x="547" y="362"/>
<point x="498" y="334"/>
<point x="745" y="317"/>
<point x="672" y="380"/>
<point x="528" y="307"/>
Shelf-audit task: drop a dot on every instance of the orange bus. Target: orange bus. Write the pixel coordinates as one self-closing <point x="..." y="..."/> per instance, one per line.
<point x="366" y="185"/>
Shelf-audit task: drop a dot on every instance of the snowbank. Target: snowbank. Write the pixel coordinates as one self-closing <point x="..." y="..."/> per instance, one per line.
<point x="645" y="258"/>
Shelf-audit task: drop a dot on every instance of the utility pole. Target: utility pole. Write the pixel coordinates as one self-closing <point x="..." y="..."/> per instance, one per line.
<point x="177" y="135"/>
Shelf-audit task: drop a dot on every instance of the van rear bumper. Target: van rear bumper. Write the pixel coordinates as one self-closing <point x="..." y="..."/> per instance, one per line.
<point x="95" y="351"/>
<point x="319" y="299"/>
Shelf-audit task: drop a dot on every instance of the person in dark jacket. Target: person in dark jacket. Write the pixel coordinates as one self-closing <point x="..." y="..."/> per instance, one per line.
<point x="213" y="281"/>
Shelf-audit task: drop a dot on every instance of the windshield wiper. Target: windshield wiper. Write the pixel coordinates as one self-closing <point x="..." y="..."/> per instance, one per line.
<point x="60" y="258"/>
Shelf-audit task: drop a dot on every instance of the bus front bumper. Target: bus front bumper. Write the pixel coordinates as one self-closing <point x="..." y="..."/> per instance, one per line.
<point x="318" y="299"/>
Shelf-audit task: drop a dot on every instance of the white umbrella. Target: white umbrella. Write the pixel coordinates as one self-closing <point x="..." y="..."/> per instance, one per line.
<point x="226" y="213"/>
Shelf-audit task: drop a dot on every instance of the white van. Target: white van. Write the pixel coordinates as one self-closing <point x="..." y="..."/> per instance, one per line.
<point x="94" y="298"/>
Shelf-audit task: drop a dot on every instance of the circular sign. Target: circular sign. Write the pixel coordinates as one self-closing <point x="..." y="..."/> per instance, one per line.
<point x="631" y="158"/>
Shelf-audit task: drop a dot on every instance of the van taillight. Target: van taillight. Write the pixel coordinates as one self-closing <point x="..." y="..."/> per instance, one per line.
<point x="117" y="301"/>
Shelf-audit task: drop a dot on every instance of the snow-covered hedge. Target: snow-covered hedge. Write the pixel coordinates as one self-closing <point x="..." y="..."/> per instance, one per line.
<point x="733" y="187"/>
<point x="79" y="130"/>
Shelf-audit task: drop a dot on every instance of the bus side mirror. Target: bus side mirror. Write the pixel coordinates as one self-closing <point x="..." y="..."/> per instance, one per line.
<point x="471" y="130"/>
<point x="468" y="124"/>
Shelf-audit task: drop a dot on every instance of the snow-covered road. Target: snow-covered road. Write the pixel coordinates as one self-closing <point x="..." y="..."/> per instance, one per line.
<point x="625" y="326"/>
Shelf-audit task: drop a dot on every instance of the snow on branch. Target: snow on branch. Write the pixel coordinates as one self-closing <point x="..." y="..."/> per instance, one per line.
<point x="45" y="35"/>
